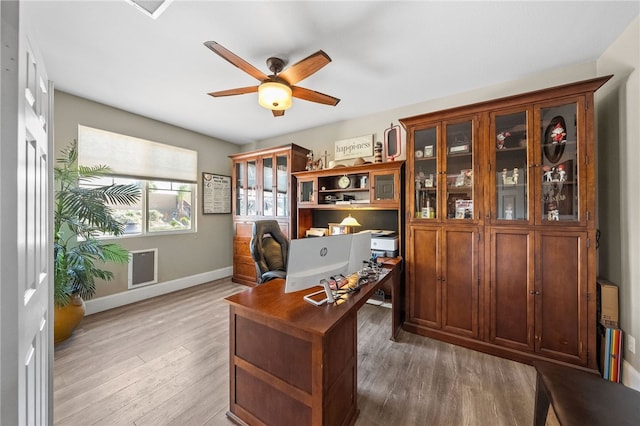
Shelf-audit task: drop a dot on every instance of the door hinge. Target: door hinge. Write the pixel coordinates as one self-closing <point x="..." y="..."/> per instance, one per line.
<point x="588" y="296"/>
<point x="588" y="243"/>
<point x="588" y="216"/>
<point x="489" y="166"/>
<point x="586" y="159"/>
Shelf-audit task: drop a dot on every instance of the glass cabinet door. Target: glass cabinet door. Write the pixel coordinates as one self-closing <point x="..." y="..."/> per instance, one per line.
<point x="267" y="186"/>
<point x="459" y="167"/>
<point x="252" y="188"/>
<point x="425" y="168"/>
<point x="559" y="166"/>
<point x="306" y="188"/>
<point x="241" y="189"/>
<point x="383" y="186"/>
<point x="511" y="182"/>
<point x="282" y="186"/>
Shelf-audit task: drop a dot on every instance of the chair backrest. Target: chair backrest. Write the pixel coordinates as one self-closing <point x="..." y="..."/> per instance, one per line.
<point x="269" y="248"/>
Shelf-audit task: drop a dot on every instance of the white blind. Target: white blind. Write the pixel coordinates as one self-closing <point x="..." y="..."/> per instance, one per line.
<point x="135" y="157"/>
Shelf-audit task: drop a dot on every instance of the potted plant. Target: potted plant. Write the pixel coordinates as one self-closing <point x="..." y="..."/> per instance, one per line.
<point x="81" y="216"/>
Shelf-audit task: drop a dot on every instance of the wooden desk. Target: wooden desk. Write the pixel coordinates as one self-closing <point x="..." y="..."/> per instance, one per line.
<point x="292" y="363"/>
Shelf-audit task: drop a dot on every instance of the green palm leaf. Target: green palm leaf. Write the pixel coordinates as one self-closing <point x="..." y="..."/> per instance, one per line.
<point x="80" y="216"/>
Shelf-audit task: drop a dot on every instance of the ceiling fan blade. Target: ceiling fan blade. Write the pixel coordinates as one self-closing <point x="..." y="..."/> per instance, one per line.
<point x="278" y="113"/>
<point x="236" y="60"/>
<point x="313" y="96"/>
<point x="231" y="92"/>
<point x="303" y="69"/>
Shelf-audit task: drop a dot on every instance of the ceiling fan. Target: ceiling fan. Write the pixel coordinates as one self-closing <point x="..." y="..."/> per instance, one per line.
<point x="275" y="90"/>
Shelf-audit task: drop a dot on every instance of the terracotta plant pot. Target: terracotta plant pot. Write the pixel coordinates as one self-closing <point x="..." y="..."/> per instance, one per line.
<point x="66" y="319"/>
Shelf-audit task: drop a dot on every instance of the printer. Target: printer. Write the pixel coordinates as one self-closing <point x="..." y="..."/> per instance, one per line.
<point x="384" y="243"/>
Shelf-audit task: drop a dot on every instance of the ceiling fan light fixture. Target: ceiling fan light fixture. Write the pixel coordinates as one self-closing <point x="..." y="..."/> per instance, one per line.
<point x="274" y="95"/>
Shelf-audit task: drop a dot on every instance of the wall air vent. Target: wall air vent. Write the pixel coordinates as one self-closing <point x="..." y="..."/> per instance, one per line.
<point x="151" y="8"/>
<point x="143" y="268"/>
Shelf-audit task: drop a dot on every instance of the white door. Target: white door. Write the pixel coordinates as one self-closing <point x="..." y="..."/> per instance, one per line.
<point x="26" y="191"/>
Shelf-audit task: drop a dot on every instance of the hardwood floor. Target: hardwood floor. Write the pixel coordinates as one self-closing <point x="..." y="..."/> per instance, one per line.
<point x="164" y="361"/>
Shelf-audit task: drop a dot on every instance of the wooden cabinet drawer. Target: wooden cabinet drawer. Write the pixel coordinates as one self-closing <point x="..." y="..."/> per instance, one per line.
<point x="244" y="267"/>
<point x="243" y="229"/>
<point x="241" y="247"/>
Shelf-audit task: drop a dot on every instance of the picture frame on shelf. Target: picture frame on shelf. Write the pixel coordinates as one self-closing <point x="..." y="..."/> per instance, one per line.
<point x="459" y="149"/>
<point x="337" y="229"/>
<point x="428" y="151"/>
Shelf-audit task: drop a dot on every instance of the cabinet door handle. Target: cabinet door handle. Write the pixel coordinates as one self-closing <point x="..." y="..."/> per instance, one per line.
<point x="534" y="292"/>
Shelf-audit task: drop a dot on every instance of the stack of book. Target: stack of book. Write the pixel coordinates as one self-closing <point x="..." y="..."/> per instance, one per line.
<point x="612" y="354"/>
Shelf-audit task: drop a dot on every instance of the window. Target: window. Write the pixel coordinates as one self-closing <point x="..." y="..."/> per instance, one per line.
<point x="165" y="174"/>
<point x="163" y="207"/>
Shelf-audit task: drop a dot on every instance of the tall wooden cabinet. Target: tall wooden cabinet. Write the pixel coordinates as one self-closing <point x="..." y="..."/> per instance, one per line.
<point x="500" y="228"/>
<point x="262" y="189"/>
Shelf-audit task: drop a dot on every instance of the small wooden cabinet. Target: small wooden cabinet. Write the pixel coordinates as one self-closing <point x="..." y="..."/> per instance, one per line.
<point x="262" y="189"/>
<point x="501" y="225"/>
<point x="445" y="279"/>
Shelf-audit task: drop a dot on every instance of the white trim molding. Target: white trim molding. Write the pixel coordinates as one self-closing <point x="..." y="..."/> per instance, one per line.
<point x="630" y="376"/>
<point x="137" y="294"/>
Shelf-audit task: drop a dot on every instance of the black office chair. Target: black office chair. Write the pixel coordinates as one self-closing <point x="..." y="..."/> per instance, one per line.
<point x="270" y="250"/>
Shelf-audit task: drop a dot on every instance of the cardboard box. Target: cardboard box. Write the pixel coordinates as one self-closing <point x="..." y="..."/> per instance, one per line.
<point x="607" y="303"/>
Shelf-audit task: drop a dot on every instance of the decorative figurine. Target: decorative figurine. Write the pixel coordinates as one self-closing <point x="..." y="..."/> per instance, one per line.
<point x="313" y="164"/>
<point x="515" y="175"/>
<point x="377" y="157"/>
<point x="309" y="165"/>
<point x="504" y="176"/>
<point x="548" y="174"/>
<point x="508" y="212"/>
<point x="325" y="159"/>
<point x="552" y="212"/>
<point x="562" y="173"/>
<point x="558" y="134"/>
<point x="501" y="138"/>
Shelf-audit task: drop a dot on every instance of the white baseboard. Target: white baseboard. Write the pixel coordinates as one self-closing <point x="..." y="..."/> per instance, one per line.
<point x="630" y="376"/>
<point x="135" y="295"/>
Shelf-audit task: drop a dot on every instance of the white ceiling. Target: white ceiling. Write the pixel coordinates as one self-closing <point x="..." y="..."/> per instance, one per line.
<point x="385" y="54"/>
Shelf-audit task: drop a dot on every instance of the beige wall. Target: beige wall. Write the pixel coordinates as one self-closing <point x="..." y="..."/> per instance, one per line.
<point x="619" y="174"/>
<point x="179" y="255"/>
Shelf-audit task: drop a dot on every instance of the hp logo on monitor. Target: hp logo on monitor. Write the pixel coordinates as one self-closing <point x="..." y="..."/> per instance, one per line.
<point x="323" y="251"/>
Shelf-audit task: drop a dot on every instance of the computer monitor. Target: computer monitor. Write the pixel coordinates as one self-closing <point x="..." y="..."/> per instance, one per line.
<point x="360" y="251"/>
<point x="312" y="260"/>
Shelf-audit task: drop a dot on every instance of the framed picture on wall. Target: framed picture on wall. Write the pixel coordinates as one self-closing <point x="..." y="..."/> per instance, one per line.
<point x="216" y="194"/>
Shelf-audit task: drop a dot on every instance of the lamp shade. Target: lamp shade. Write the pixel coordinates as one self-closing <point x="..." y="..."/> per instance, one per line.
<point x="274" y="95"/>
<point x="349" y="221"/>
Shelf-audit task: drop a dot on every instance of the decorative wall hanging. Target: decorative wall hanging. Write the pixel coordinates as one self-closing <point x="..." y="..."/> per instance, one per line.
<point x="555" y="137"/>
<point x="392" y="143"/>
<point x="361" y="146"/>
<point x="216" y="194"/>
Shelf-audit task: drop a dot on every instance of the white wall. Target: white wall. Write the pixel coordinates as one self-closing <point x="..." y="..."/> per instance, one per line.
<point x="322" y="138"/>
<point x="618" y="104"/>
<point x="182" y="258"/>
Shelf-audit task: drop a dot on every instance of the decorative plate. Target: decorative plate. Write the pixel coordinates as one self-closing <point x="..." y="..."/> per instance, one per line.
<point x="419" y="153"/>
